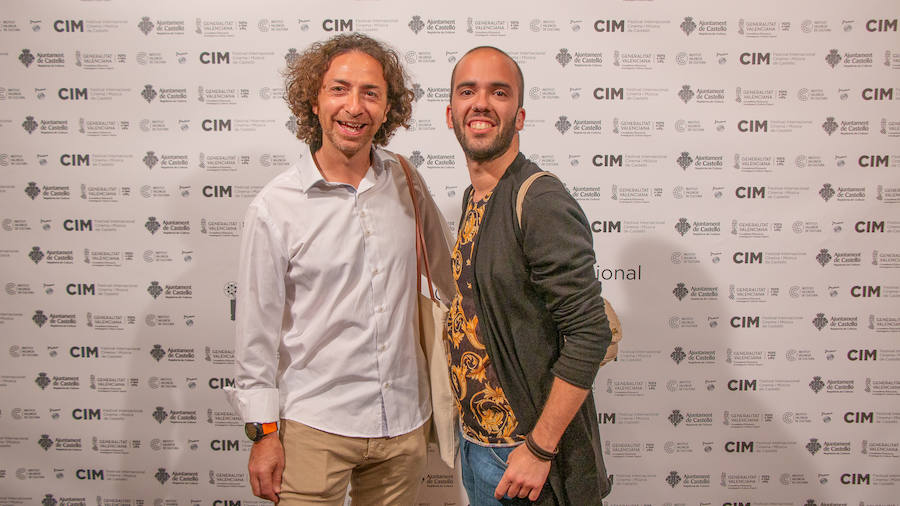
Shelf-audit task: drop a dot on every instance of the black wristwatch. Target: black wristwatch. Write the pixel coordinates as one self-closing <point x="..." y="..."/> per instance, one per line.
<point x="256" y="431"/>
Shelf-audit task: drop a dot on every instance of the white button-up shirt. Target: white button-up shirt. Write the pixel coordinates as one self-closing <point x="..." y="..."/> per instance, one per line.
<point x="326" y="283"/>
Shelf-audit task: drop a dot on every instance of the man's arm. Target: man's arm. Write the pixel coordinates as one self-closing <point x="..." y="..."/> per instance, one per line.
<point x="559" y="249"/>
<point x="558" y="246"/>
<point x="260" y="309"/>
<point x="525" y="474"/>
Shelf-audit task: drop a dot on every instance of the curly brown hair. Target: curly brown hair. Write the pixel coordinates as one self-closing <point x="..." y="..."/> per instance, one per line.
<point x="304" y="74"/>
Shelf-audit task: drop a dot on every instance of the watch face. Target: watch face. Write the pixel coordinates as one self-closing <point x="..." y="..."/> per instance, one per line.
<point x="252" y="431"/>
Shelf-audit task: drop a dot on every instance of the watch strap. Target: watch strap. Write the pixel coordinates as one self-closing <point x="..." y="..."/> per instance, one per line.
<point x="268" y="428"/>
<point x="256" y="431"/>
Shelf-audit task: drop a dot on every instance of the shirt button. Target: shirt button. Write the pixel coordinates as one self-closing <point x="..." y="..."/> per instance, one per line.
<point x="387" y="385"/>
<point x="362" y="213"/>
<point x="374" y="270"/>
<point x="368" y="233"/>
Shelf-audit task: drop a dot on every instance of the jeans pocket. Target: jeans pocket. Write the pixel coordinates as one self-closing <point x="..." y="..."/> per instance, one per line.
<point x="500" y="454"/>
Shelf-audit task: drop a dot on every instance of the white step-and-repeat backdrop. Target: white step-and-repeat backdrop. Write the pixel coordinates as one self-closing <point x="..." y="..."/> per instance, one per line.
<point x="738" y="161"/>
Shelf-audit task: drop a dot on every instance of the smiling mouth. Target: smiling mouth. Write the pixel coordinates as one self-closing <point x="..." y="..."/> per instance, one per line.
<point x="352" y="127"/>
<point x="480" y="124"/>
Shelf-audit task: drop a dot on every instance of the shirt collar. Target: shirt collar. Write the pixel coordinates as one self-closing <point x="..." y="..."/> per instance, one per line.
<point x="310" y="176"/>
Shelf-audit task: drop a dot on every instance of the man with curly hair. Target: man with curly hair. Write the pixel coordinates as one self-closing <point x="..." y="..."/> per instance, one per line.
<point x="330" y="379"/>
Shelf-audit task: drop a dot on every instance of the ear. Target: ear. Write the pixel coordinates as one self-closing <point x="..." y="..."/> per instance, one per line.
<point x="449" y="117"/>
<point x="520" y="118"/>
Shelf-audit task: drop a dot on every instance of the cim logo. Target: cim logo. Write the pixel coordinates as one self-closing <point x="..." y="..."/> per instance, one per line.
<point x="86" y="414"/>
<point x="89" y="474"/>
<point x="874" y="160"/>
<point x="606" y="226"/>
<point x="74" y="160"/>
<point x="864" y="291"/>
<point x="753" y="125"/>
<point x="862" y="355"/>
<point x="607" y="160"/>
<point x="609" y="93"/>
<point x="220" y="191"/>
<point x="609" y="25"/>
<point x="84" y="352"/>
<point x="755" y="58"/>
<point x="81" y="289"/>
<point x="745" y="322"/>
<point x="224" y="445"/>
<point x="735" y="503"/>
<point x="72" y="93"/>
<point x="226" y="502"/>
<point x="606" y="418"/>
<point x="859" y="417"/>
<point x="337" y="25"/>
<point x="869" y="227"/>
<point x="878" y="94"/>
<point x="219" y="383"/>
<point x="742" y="385"/>
<point x="78" y="225"/>
<point x="215" y="58"/>
<point x="856" y="479"/>
<point x="216" y="125"/>
<point x="881" y="25"/>
<point x="747" y="257"/>
<point x="739" y="447"/>
<point x="750" y="192"/>
<point x="69" y="25"/>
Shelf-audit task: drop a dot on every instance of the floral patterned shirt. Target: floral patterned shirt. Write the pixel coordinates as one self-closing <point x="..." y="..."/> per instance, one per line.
<point x="485" y="414"/>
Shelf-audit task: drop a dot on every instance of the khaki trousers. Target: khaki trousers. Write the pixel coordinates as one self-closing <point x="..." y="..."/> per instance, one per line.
<point x="380" y="471"/>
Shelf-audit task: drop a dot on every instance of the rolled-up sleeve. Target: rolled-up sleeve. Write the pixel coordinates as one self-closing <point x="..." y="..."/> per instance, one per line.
<point x="259" y="314"/>
<point x="559" y="249"/>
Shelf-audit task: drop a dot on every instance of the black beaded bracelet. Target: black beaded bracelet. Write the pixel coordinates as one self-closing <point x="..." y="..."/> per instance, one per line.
<point x="537" y="451"/>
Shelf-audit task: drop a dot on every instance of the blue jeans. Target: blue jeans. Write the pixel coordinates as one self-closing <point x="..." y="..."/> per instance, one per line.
<point x="482" y="468"/>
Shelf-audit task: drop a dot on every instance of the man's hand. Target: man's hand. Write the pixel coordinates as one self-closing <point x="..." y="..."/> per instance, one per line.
<point x="525" y="475"/>
<point x="266" y="465"/>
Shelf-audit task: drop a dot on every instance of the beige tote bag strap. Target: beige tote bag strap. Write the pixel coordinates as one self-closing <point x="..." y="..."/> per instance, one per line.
<point x="520" y="197"/>
<point x="421" y="252"/>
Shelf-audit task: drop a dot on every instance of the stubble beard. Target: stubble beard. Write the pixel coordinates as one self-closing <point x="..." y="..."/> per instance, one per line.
<point x="346" y="147"/>
<point x="493" y="150"/>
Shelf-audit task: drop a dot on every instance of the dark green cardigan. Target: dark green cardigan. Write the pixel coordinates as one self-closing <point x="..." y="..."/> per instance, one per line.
<point x="541" y="315"/>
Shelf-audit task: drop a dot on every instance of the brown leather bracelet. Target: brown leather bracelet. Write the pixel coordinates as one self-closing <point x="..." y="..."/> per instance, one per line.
<point x="537" y="451"/>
